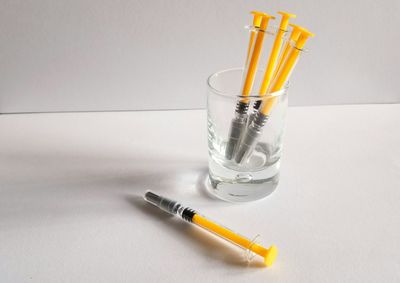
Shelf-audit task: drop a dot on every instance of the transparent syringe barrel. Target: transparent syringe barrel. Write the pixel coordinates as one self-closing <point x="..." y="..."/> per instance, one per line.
<point x="221" y="231"/>
<point x="170" y="206"/>
<point x="250" y="246"/>
<point x="253" y="31"/>
<point x="239" y="122"/>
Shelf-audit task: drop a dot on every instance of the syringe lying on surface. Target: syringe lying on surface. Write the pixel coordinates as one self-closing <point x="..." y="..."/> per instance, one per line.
<point x="192" y="216"/>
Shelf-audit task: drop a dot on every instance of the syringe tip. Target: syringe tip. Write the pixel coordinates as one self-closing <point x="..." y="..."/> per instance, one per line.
<point x="152" y="198"/>
<point x="161" y="202"/>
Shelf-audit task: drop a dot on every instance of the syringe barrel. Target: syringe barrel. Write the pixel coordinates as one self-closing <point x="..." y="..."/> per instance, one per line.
<point x="188" y="214"/>
<point x="170" y="206"/>
<point x="192" y="216"/>
<point x="229" y="235"/>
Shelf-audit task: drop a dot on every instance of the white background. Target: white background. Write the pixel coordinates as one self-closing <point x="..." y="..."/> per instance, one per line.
<point x="126" y="55"/>
<point x="70" y="191"/>
<point x="71" y="207"/>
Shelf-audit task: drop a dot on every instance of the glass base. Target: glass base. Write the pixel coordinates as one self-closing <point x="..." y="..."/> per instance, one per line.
<point x="235" y="183"/>
<point x="242" y="192"/>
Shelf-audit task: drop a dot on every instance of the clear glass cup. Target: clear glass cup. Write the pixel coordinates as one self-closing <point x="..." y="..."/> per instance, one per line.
<point x="242" y="177"/>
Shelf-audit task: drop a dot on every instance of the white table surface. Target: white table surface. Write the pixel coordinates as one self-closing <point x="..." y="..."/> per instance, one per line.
<point x="71" y="207"/>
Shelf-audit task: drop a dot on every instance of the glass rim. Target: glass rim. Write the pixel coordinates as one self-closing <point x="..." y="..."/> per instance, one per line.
<point x="252" y="95"/>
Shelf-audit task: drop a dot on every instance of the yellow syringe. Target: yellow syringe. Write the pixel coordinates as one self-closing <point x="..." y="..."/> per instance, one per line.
<point x="273" y="57"/>
<point x="257" y="16"/>
<point x="190" y="215"/>
<point x="255" y="55"/>
<point x="286" y="68"/>
<point x="238" y="123"/>
<point x="273" y="61"/>
<point x="254" y="129"/>
<point x="294" y="36"/>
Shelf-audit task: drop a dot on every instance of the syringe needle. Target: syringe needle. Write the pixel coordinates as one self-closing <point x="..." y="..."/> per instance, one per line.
<point x="192" y="216"/>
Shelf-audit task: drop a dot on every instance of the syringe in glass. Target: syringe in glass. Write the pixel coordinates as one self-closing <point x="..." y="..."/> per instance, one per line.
<point x="192" y="216"/>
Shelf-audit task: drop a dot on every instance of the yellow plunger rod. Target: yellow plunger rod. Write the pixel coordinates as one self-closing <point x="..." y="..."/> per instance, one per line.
<point x="273" y="57"/>
<point x="256" y="24"/>
<point x="294" y="36"/>
<point x="255" y="56"/>
<point x="286" y="69"/>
